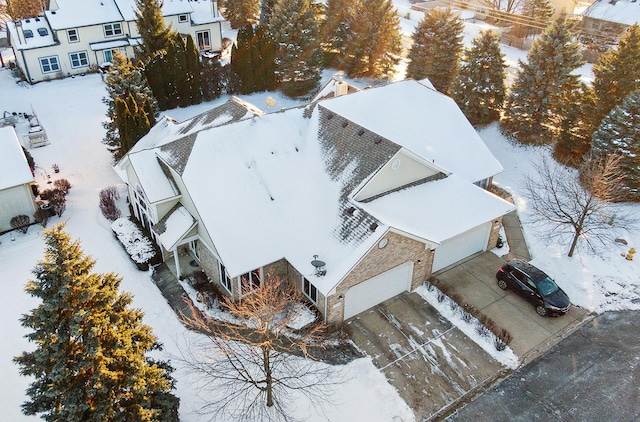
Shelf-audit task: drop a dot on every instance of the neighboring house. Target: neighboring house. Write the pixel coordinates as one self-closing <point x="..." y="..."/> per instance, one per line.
<point x="611" y="17"/>
<point x="16" y="194"/>
<point x="76" y="36"/>
<point x="354" y="199"/>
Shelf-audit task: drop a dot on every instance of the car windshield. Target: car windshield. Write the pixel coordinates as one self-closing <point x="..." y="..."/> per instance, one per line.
<point x="547" y="286"/>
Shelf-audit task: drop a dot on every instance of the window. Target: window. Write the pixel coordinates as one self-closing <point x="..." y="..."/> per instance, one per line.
<point x="108" y="55"/>
<point x="251" y="280"/>
<point x="112" y="29"/>
<point x="224" y="278"/>
<point x="204" y="41"/>
<point x="79" y="59"/>
<point x="28" y="33"/>
<point x="72" y="35"/>
<point x="43" y="32"/>
<point x="49" y="64"/>
<point x="310" y="290"/>
<point x="183" y="18"/>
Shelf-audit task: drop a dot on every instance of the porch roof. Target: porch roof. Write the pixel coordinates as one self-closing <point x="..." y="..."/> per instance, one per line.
<point x="174" y="226"/>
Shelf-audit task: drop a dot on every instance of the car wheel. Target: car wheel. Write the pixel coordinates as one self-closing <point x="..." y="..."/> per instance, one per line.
<point x="502" y="284"/>
<point x="541" y="310"/>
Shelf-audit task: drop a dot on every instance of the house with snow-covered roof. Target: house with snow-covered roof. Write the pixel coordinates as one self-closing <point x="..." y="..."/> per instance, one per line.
<point x="611" y="16"/>
<point x="354" y="199"/>
<point x="16" y="194"/>
<point x="77" y="36"/>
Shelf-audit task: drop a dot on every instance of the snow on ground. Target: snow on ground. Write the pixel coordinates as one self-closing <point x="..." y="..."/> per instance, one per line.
<point x="72" y="113"/>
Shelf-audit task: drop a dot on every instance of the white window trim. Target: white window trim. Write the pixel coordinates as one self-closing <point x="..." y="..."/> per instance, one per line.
<point x="86" y="57"/>
<point x="224" y="275"/>
<point x="77" y="35"/>
<point x="183" y="18"/>
<point x="205" y="47"/>
<point x="260" y="270"/>
<point x="308" y="295"/>
<point x="113" y="29"/>
<point x="48" y="58"/>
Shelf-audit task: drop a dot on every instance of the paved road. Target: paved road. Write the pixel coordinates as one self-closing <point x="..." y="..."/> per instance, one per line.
<point x="593" y="375"/>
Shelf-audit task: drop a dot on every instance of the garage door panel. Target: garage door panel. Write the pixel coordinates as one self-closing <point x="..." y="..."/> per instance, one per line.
<point x="461" y="246"/>
<point x="377" y="289"/>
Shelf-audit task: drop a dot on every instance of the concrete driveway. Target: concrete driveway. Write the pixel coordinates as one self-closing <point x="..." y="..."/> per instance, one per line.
<point x="474" y="280"/>
<point x="429" y="361"/>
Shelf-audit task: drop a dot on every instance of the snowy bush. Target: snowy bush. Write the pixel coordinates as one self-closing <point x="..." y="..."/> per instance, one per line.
<point x="134" y="241"/>
<point x="108" y="197"/>
<point x="62" y="184"/>
<point x="20" y="223"/>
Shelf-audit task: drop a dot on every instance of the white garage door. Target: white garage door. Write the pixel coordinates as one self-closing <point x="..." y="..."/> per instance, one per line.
<point x="377" y="289"/>
<point x="461" y="246"/>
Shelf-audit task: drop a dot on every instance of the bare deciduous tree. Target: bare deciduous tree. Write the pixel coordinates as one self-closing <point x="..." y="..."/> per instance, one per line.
<point x="253" y="370"/>
<point x="571" y="208"/>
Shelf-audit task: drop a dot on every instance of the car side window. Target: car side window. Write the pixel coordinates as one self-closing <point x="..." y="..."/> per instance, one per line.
<point x="530" y="283"/>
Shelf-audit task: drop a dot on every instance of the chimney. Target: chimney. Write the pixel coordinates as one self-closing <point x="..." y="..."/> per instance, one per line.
<point x="340" y="86"/>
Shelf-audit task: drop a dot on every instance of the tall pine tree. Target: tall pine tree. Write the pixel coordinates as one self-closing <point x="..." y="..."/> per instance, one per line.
<point x="240" y="13"/>
<point x="192" y="71"/>
<point x="437" y="44"/>
<point x="127" y="80"/>
<point x="372" y="46"/>
<point x="253" y="60"/>
<point x="533" y="110"/>
<point x="574" y="139"/>
<point x="619" y="135"/>
<point x="266" y="11"/>
<point x="479" y="88"/>
<point x="297" y="35"/>
<point x="334" y="30"/>
<point x="151" y="26"/>
<point x="89" y="362"/>
<point x="616" y="73"/>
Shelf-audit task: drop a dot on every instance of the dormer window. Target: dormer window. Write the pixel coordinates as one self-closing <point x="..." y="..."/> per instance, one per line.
<point x="183" y="18"/>
<point x="28" y="33"/>
<point x="43" y="32"/>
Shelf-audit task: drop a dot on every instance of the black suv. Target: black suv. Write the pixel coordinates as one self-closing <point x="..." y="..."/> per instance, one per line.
<point x="535" y="286"/>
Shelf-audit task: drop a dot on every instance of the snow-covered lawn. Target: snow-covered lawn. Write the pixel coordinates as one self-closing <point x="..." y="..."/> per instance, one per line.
<point x="72" y="113"/>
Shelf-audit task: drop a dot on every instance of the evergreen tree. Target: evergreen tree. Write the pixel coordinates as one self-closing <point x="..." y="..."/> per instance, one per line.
<point x="242" y="61"/>
<point x="619" y="135"/>
<point x="132" y="123"/>
<point x="89" y="362"/>
<point x="540" y="12"/>
<point x="533" y="110"/>
<point x="372" y="47"/>
<point x="334" y="30"/>
<point x="160" y="77"/>
<point x="266" y="11"/>
<point x="616" y="74"/>
<point x="151" y="26"/>
<point x="574" y="139"/>
<point x="253" y="60"/>
<point x="296" y="33"/>
<point x="240" y="13"/>
<point x="437" y="44"/>
<point x="211" y="81"/>
<point x="192" y="68"/>
<point x="127" y="80"/>
<point x="479" y="88"/>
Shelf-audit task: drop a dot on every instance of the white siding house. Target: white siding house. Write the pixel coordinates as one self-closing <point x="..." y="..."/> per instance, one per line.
<point x="77" y="36"/>
<point x="16" y="196"/>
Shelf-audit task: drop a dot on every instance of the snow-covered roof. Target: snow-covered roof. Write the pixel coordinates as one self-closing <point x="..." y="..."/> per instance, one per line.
<point x="169" y="8"/>
<point x="155" y="183"/>
<point x="15" y="170"/>
<point x="204" y="12"/>
<point x="268" y="196"/>
<point x="104" y="45"/>
<point x="412" y="210"/>
<point x="38" y="29"/>
<point x="281" y="185"/>
<point x="424" y="121"/>
<point x="78" y="13"/>
<point x="173" y="226"/>
<point x="626" y="12"/>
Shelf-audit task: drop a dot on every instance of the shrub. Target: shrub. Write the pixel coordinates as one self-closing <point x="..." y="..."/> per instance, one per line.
<point x="441" y="295"/>
<point x="62" y="184"/>
<point x="20" y="223"/>
<point x="58" y="201"/>
<point x="42" y="216"/>
<point x="108" y="197"/>
<point x="502" y="339"/>
<point x="137" y="245"/>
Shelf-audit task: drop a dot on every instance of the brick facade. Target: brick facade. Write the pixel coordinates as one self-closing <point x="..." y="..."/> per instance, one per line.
<point x="399" y="249"/>
<point x="495" y="232"/>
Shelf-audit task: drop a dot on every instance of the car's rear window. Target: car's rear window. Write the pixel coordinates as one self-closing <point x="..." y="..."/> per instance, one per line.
<point x="547" y="286"/>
